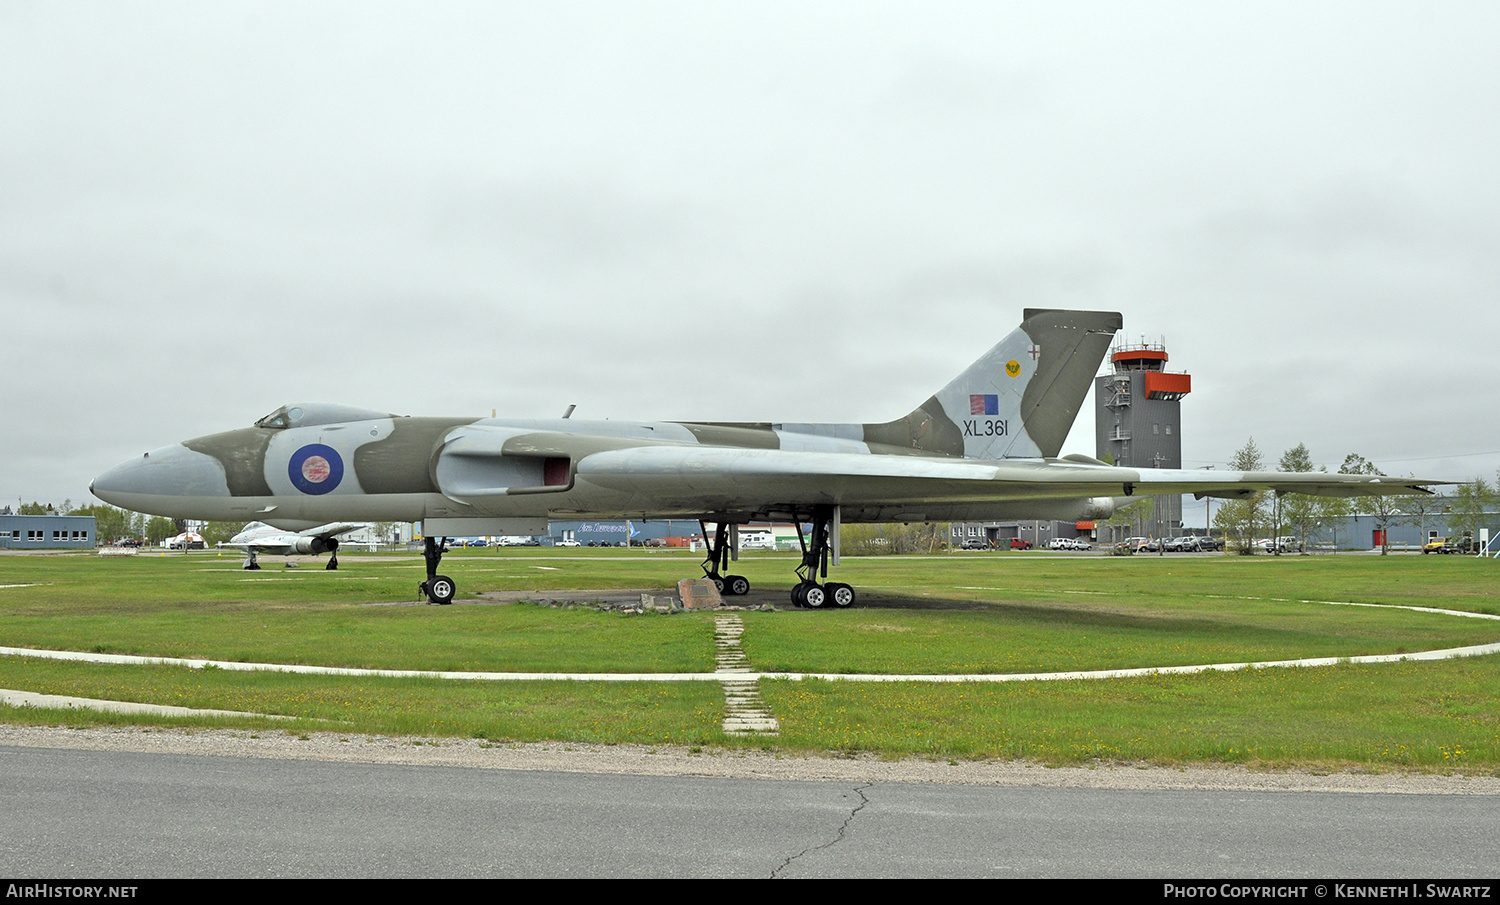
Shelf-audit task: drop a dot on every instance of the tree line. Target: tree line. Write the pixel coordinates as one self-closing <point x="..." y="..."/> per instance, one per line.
<point x="1243" y="520"/>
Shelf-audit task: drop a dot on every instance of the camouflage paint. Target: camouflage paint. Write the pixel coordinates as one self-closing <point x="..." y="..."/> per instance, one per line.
<point x="927" y="429"/>
<point x="403" y="462"/>
<point x="753" y="435"/>
<point x="1072" y="344"/>
<point x="243" y="454"/>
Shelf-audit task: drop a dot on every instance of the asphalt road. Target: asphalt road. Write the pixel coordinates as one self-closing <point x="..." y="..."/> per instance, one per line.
<point x="113" y="814"/>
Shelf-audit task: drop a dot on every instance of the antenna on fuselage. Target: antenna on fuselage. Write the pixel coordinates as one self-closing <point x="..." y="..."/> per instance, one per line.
<point x="569" y="413"/>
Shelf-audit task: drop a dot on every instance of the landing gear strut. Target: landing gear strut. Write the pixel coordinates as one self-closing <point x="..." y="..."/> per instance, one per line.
<point x="250" y="564"/>
<point x="438" y="588"/>
<point x="719" y="550"/>
<point x="808" y="592"/>
<point x="333" y="555"/>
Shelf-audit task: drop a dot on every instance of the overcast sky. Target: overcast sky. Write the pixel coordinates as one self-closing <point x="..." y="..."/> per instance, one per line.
<point x="800" y="211"/>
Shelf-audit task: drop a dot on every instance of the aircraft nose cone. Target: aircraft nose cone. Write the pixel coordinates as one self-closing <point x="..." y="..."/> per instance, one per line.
<point x="160" y="480"/>
<point x="117" y="480"/>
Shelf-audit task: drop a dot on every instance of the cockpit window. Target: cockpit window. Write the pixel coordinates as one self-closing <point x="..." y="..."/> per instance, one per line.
<point x="309" y="414"/>
<point x="276" y="419"/>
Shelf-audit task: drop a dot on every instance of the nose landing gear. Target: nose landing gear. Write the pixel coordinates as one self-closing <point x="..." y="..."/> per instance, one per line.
<point x="439" y="589"/>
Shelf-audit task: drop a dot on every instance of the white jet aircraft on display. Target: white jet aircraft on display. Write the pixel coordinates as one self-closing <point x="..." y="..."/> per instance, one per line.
<point x="983" y="447"/>
<point x="258" y="538"/>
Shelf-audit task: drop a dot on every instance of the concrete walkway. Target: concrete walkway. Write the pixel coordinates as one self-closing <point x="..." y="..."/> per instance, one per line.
<point x="1477" y="650"/>
<point x="64" y="702"/>
<point x="745" y="711"/>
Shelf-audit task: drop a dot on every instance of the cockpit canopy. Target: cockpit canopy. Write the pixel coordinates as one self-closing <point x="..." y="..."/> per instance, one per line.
<point x="310" y="414"/>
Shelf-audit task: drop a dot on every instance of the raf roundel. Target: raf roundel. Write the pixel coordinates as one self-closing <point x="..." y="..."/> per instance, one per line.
<point x="315" y="469"/>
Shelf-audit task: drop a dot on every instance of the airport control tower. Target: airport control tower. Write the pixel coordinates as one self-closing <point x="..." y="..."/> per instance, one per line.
<point x="1138" y="419"/>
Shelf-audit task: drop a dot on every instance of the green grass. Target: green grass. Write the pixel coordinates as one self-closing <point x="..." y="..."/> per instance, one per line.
<point x="81" y="582"/>
<point x="598" y="712"/>
<point x="1011" y="637"/>
<point x="1009" y="613"/>
<point x="198" y="607"/>
<point x="1430" y="716"/>
<point x="490" y="639"/>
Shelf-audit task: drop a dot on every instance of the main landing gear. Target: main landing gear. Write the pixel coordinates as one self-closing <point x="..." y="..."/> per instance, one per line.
<point x="808" y="592"/>
<point x="333" y="555"/>
<point x="438" y="588"/>
<point x="719" y="550"/>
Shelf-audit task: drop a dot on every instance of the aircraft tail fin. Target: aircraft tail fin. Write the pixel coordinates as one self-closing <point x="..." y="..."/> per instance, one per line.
<point x="1020" y="399"/>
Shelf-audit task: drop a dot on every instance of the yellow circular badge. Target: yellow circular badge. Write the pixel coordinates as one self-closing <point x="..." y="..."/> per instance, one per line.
<point x="1012" y="367"/>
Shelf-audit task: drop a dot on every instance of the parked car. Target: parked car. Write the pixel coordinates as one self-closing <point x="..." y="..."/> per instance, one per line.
<point x="1278" y="544"/>
<point x="1017" y="544"/>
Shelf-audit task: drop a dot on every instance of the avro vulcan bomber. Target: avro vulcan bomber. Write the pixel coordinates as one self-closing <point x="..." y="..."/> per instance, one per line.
<point x="983" y="447"/>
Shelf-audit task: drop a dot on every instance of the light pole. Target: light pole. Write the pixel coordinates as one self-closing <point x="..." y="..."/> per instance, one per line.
<point x="1208" y="510"/>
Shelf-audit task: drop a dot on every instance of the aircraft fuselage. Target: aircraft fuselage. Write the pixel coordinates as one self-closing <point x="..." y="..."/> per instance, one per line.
<point x="387" y="468"/>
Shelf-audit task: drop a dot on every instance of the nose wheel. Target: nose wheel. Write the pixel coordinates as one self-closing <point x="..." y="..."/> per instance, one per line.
<point x="438" y="589"/>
